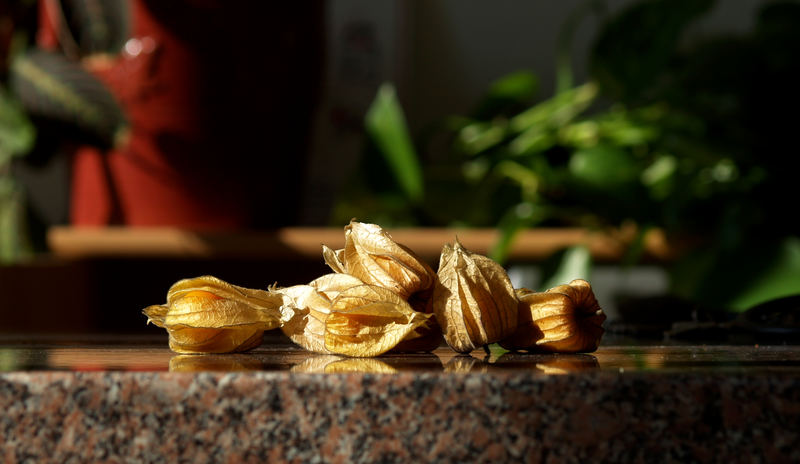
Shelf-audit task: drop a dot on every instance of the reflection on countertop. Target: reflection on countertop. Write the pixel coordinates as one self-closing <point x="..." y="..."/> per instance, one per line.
<point x="151" y="354"/>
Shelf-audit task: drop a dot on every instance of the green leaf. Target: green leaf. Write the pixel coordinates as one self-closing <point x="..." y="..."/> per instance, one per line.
<point x="604" y="167"/>
<point x="480" y="136"/>
<point x="538" y="125"/>
<point x="527" y="179"/>
<point x="534" y="140"/>
<point x="659" y="176"/>
<point x="50" y="86"/>
<point x="494" y="352"/>
<point x="507" y="94"/>
<point x="17" y="134"/>
<point x="776" y="275"/>
<point x="740" y="277"/>
<point x="386" y="125"/>
<point x="14" y="244"/>
<point x="623" y="127"/>
<point x="580" y="134"/>
<point x="558" y="110"/>
<point x="567" y="265"/>
<point x="517" y="86"/>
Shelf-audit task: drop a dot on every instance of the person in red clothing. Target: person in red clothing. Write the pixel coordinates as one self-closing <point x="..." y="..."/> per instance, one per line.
<point x="214" y="102"/>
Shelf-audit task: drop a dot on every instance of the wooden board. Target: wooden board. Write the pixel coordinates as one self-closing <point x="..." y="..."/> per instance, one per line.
<point x="306" y="242"/>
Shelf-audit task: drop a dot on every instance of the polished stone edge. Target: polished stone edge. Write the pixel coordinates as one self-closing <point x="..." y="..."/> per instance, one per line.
<point x="405" y="417"/>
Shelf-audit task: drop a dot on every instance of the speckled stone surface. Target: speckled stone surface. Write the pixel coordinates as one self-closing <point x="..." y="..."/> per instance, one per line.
<point x="594" y="411"/>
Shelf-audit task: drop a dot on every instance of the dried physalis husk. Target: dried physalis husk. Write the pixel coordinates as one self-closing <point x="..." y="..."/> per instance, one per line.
<point x="208" y="315"/>
<point x="426" y="337"/>
<point x="564" y="319"/>
<point x="368" y="320"/>
<point x="373" y="256"/>
<point x="308" y="306"/>
<point x="474" y="301"/>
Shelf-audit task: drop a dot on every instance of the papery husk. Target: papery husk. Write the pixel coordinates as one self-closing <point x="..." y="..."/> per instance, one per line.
<point x="308" y="307"/>
<point x="334" y="259"/>
<point x="473" y="300"/>
<point x="371" y="255"/>
<point x="209" y="315"/>
<point x="428" y="336"/>
<point x="369" y="320"/>
<point x="564" y="319"/>
<point x="191" y="340"/>
<point x="425" y="338"/>
<point x="334" y="284"/>
<point x="303" y="325"/>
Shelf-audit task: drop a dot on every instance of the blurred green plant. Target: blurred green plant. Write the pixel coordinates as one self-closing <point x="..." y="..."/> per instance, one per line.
<point x="61" y="92"/>
<point x="53" y="90"/>
<point x="17" y="135"/>
<point x="671" y="133"/>
<point x="386" y="125"/>
<point x="56" y="87"/>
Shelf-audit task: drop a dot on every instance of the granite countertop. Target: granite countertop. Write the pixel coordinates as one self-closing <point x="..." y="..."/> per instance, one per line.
<point x="129" y="399"/>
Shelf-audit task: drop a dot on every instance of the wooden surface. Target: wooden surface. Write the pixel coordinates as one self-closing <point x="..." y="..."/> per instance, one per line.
<point x="306" y="243"/>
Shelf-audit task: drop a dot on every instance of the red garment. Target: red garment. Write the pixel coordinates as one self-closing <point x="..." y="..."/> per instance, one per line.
<point x="216" y="138"/>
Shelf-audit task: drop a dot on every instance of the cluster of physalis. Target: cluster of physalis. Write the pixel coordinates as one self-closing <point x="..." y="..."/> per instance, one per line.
<point x="382" y="297"/>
